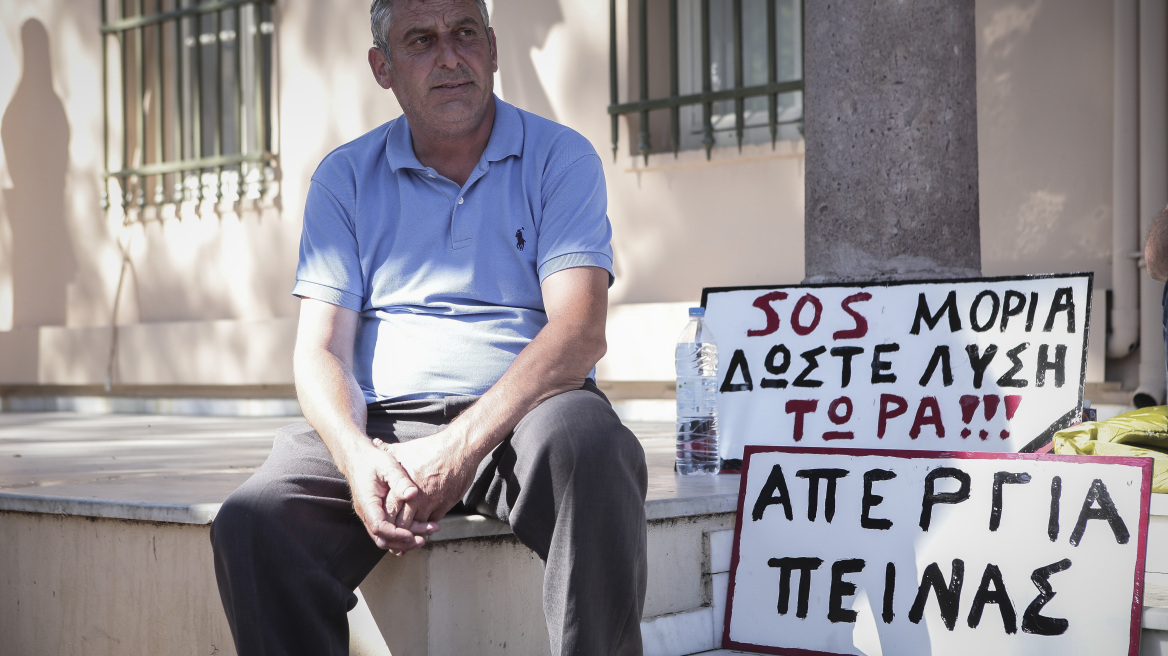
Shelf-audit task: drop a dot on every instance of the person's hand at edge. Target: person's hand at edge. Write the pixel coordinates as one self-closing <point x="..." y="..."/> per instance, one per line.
<point x="440" y="470"/>
<point x="384" y="495"/>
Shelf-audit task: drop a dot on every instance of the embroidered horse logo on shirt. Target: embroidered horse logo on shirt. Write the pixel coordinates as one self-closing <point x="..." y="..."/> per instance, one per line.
<point x="520" y="242"/>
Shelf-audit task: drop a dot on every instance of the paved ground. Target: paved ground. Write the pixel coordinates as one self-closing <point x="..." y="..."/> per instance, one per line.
<point x="198" y="461"/>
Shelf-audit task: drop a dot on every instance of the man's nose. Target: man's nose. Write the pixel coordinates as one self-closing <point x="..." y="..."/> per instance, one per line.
<point x="447" y="52"/>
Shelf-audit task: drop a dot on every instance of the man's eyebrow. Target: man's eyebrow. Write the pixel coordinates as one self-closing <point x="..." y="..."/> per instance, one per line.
<point x="418" y="30"/>
<point x="466" y="20"/>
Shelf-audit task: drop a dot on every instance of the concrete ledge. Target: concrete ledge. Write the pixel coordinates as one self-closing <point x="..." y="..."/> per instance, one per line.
<point x="1155" y="619"/>
<point x="453" y="527"/>
<point x="679" y="633"/>
<point x="145" y="512"/>
<point x="125" y="502"/>
<point x="100" y="513"/>
<point x="178" y="469"/>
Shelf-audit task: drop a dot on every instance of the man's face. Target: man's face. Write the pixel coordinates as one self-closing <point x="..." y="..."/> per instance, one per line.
<point x="440" y="66"/>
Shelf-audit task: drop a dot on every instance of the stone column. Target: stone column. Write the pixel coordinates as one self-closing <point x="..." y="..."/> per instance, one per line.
<point x="891" y="136"/>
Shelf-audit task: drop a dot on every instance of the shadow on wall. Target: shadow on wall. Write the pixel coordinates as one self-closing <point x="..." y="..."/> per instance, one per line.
<point x="1046" y="204"/>
<point x="521" y="28"/>
<point x="35" y="136"/>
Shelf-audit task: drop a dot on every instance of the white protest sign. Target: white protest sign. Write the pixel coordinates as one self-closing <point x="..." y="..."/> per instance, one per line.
<point x="975" y="365"/>
<point x="910" y="553"/>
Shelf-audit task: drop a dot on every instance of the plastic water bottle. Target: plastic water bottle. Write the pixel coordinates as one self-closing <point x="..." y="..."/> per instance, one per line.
<point x="697" y="387"/>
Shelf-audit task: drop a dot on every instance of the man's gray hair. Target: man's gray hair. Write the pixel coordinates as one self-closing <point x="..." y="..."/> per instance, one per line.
<point x="381" y="16"/>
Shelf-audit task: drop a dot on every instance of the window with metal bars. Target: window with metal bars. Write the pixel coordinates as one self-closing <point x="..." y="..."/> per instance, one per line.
<point x="706" y="73"/>
<point x="187" y="100"/>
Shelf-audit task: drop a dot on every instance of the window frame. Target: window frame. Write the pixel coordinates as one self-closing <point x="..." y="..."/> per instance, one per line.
<point x="153" y="59"/>
<point x="640" y="74"/>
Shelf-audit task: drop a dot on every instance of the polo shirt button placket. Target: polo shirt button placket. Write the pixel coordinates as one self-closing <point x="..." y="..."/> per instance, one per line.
<point x="460" y="240"/>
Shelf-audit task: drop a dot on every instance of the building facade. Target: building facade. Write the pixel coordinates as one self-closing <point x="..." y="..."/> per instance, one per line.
<point x="122" y="272"/>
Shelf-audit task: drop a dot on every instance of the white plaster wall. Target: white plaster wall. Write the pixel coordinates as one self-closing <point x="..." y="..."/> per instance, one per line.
<point x="84" y="587"/>
<point x="678" y="225"/>
<point x="1044" y="140"/>
<point x="212" y="276"/>
<point x="48" y="87"/>
<point x="1044" y="107"/>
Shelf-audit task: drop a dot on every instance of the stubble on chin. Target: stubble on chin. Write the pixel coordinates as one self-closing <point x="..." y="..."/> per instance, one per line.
<point x="455" y="117"/>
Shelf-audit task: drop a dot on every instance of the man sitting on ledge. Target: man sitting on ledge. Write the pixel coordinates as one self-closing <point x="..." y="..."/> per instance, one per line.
<point x="454" y="272"/>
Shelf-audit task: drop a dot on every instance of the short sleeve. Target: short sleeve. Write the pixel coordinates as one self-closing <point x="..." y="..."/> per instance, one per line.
<point x="574" y="229"/>
<point x="329" y="269"/>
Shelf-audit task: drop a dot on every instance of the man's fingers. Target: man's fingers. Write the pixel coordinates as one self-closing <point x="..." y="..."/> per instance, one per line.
<point x="382" y="497"/>
<point x="395" y="476"/>
<point x="404" y="488"/>
<point x="373" y="515"/>
<point x="405" y="516"/>
<point x="387" y="536"/>
<point x="391" y="508"/>
<point x="424" y="528"/>
<point x="379" y="525"/>
<point x="398" y="540"/>
<point x="399" y="507"/>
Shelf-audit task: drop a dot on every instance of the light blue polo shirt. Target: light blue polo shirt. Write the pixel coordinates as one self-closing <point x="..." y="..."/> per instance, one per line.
<point x="447" y="278"/>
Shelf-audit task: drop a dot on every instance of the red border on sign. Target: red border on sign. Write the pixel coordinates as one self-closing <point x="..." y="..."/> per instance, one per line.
<point x="1145" y="464"/>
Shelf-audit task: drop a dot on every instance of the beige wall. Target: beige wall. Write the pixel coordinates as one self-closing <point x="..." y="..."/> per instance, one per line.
<point x="1044" y="106"/>
<point x="204" y="297"/>
<point x="1044" y="126"/>
<point x="54" y="249"/>
<point x="107" y="587"/>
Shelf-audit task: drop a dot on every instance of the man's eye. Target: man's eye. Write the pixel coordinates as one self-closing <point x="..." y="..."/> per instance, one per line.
<point x="422" y="40"/>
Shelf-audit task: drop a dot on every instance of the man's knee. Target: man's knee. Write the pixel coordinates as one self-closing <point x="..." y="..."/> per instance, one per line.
<point x="243" y="515"/>
<point x="296" y="498"/>
<point x="579" y="430"/>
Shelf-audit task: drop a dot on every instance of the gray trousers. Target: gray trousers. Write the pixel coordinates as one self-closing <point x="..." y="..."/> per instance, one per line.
<point x="570" y="481"/>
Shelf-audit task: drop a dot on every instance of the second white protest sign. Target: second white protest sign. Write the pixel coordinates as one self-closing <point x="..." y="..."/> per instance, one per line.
<point x="916" y="553"/>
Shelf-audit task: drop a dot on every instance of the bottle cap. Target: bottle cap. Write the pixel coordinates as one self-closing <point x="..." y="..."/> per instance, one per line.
<point x="697" y="312"/>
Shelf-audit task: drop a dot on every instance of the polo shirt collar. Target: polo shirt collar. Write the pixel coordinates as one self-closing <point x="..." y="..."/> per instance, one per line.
<point x="506" y="135"/>
<point x="399" y="147"/>
<point x="506" y="139"/>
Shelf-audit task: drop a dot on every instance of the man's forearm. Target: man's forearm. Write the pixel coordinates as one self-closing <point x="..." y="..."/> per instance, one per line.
<point x="556" y="361"/>
<point x="553" y="363"/>
<point x="332" y="403"/>
<point x="322" y="364"/>
<point x="1156" y="250"/>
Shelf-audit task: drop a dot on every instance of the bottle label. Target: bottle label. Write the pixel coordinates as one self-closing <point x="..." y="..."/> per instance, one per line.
<point x="696" y="396"/>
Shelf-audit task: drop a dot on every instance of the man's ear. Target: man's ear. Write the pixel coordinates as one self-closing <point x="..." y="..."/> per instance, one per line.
<point x="380" y="67"/>
<point x="494" y="50"/>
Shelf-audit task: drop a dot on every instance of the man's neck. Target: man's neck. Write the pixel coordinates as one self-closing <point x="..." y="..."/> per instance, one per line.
<point x="454" y="157"/>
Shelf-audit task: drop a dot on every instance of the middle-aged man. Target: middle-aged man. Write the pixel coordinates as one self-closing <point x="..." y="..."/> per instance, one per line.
<point x="454" y="273"/>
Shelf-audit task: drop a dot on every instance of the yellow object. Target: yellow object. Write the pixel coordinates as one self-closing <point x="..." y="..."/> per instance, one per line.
<point x="1139" y="433"/>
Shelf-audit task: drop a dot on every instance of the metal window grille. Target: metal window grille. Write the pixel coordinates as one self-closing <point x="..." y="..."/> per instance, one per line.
<point x="734" y="70"/>
<point x="187" y="86"/>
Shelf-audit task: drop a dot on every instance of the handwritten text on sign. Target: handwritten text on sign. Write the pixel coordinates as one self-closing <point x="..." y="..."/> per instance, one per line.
<point x="985" y="365"/>
<point x="907" y="553"/>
